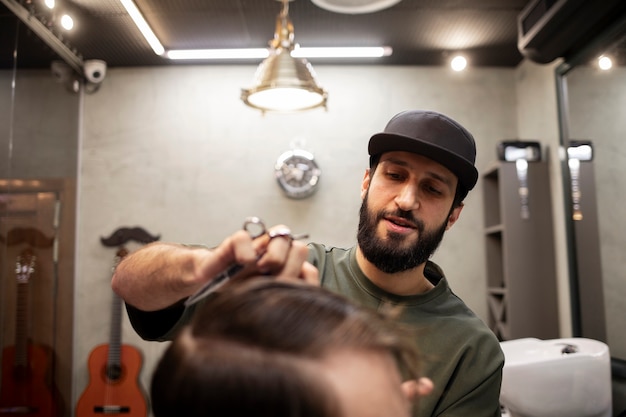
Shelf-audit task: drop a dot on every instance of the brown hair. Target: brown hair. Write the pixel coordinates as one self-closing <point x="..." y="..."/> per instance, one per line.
<point x="252" y="351"/>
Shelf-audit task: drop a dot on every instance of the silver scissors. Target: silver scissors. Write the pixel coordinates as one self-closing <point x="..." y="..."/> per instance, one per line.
<point x="256" y="228"/>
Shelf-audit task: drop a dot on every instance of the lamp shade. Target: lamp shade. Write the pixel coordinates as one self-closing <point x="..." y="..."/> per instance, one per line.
<point x="283" y="83"/>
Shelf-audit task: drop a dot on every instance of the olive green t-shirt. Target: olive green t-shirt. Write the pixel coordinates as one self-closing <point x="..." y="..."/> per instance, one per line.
<point x="460" y="354"/>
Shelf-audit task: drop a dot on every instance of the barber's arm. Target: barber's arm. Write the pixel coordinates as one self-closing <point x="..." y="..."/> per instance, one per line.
<point x="160" y="275"/>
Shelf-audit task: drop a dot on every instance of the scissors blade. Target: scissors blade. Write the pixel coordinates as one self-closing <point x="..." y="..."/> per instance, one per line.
<point x="213" y="284"/>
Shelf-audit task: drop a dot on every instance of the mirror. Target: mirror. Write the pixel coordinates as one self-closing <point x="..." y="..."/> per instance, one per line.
<point x="38" y="170"/>
<point x="591" y="109"/>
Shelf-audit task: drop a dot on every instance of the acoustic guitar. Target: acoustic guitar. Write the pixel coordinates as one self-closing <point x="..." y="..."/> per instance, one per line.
<point x="27" y="388"/>
<point x="114" y="370"/>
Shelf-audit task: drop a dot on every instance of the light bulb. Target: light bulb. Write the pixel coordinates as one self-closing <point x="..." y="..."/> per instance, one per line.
<point x="458" y="63"/>
<point x="67" y="22"/>
<point x="605" y="63"/>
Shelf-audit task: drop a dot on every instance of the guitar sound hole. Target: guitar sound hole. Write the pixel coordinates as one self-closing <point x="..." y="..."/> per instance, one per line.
<point x="21" y="373"/>
<point x="114" y="372"/>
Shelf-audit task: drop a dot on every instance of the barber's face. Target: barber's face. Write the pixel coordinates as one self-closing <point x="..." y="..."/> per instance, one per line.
<point x="406" y="209"/>
<point x="368" y="384"/>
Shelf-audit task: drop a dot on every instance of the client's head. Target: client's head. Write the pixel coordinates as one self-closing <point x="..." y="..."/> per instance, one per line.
<point x="267" y="348"/>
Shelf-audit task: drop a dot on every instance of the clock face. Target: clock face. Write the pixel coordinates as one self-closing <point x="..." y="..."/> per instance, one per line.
<point x="297" y="173"/>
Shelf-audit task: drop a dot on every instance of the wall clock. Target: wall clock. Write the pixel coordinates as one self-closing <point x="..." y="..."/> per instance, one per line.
<point x="297" y="173"/>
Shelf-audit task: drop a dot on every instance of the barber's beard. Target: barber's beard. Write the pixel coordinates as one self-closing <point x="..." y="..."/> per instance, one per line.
<point x="392" y="254"/>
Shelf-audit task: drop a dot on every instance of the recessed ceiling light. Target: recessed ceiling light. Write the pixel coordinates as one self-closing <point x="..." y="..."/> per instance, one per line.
<point x="354" y="6"/>
<point x="605" y="63"/>
<point x="67" y="22"/>
<point x="458" y="63"/>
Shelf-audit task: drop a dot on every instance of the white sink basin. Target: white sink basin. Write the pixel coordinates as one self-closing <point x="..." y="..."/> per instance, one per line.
<point x="556" y="378"/>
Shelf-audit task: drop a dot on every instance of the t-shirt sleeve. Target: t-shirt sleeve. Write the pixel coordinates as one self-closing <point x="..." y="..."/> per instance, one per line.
<point x="160" y="325"/>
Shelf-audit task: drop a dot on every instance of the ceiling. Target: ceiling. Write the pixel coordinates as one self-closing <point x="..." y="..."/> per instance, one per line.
<point x="421" y="32"/>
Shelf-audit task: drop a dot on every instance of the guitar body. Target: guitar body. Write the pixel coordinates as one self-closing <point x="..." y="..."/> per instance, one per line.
<point x="25" y="389"/>
<point x="114" y="391"/>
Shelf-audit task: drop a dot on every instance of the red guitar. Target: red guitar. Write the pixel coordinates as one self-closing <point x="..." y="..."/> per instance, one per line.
<point x="26" y="385"/>
<point x="114" y="373"/>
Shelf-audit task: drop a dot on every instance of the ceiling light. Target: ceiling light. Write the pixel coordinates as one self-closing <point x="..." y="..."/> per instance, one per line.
<point x="458" y="63"/>
<point x="342" y="52"/>
<point x="298" y="52"/>
<point x="67" y="22"/>
<point x="283" y="82"/>
<point x="605" y="63"/>
<point x="143" y="26"/>
<point x="250" y="53"/>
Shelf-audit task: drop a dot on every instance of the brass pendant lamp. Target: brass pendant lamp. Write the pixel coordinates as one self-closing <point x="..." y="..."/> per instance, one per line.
<point x="283" y="83"/>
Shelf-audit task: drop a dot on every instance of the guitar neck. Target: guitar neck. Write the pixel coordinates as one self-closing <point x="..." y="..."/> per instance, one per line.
<point x="21" y="325"/>
<point x="115" y="337"/>
<point x="24" y="269"/>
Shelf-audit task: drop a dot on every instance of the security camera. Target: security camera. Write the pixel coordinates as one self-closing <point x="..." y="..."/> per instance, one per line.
<point x="95" y="70"/>
<point x="61" y="72"/>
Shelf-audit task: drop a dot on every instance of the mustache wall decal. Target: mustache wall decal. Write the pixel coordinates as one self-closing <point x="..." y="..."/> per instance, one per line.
<point x="126" y="234"/>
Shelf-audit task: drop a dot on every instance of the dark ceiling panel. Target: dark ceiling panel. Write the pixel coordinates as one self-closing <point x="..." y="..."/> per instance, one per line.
<point x="421" y="32"/>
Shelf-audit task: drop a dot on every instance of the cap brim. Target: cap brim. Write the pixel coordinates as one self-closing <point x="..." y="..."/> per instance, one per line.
<point x="387" y="142"/>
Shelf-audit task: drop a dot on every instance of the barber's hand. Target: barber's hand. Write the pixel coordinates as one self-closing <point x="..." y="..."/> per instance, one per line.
<point x="295" y="265"/>
<point x="285" y="258"/>
<point x="279" y="256"/>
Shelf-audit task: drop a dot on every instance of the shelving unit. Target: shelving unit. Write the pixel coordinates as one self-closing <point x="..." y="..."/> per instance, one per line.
<point x="521" y="271"/>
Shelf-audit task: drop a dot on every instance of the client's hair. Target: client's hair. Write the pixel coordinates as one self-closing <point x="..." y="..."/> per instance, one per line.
<point x="252" y="351"/>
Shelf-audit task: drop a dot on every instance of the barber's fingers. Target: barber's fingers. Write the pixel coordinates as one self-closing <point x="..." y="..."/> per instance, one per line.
<point x="310" y="274"/>
<point x="285" y="257"/>
<point x="296" y="266"/>
<point x="414" y="389"/>
<point x="424" y="386"/>
<point x="275" y="247"/>
<point x="237" y="248"/>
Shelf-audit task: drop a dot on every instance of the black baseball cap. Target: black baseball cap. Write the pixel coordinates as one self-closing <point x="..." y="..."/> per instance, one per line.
<point x="433" y="135"/>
